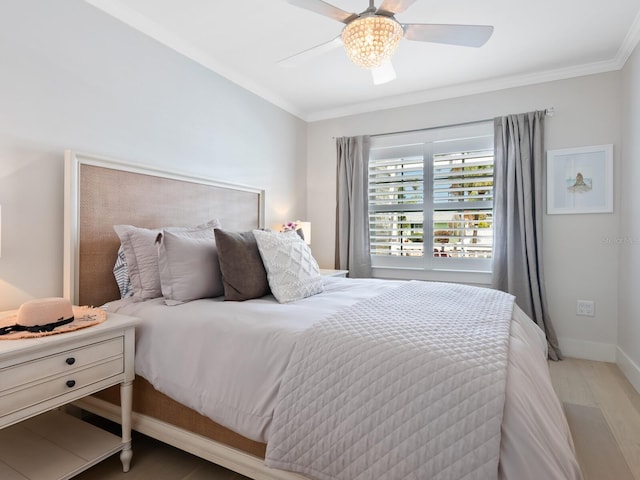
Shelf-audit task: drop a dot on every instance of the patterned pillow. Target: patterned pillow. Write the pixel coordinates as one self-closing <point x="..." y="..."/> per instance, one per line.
<point x="121" y="272"/>
<point x="292" y="271"/>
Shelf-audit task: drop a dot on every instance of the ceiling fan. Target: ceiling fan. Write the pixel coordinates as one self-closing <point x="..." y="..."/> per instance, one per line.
<point x="370" y="38"/>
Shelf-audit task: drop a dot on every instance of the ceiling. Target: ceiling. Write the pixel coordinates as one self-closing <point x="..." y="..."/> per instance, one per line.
<point x="243" y="40"/>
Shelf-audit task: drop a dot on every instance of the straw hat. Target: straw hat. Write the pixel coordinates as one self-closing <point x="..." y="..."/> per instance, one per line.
<point x="48" y="316"/>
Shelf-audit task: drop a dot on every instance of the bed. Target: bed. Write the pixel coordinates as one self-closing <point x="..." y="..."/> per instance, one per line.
<point x="263" y="404"/>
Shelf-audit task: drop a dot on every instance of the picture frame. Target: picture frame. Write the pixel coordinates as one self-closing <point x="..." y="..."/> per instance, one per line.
<point x="580" y="180"/>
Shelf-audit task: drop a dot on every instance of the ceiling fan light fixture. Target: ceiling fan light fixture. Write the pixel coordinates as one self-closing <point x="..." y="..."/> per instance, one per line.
<point x="371" y="40"/>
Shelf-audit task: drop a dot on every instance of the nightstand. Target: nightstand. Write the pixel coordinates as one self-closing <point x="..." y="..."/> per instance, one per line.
<point x="333" y="273"/>
<point x="40" y="374"/>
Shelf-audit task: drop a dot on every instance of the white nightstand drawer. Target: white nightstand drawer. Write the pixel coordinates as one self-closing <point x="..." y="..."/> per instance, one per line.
<point x="60" y="385"/>
<point x="68" y="361"/>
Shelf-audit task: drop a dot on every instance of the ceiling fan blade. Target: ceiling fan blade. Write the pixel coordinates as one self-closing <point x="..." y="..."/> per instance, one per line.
<point x="310" y="53"/>
<point x="324" y="8"/>
<point x="392" y="7"/>
<point x="383" y="74"/>
<point x="464" y="35"/>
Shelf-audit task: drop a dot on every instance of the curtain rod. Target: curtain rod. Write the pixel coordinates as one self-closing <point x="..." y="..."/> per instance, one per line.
<point x="549" y="112"/>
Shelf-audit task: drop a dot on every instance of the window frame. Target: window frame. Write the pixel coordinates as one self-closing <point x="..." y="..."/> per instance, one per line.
<point x="434" y="141"/>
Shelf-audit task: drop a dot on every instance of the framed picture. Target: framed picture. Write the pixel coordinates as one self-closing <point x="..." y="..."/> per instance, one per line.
<point x="580" y="180"/>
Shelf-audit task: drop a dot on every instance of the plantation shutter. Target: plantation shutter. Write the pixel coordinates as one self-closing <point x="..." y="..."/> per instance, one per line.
<point x="431" y="199"/>
<point x="396" y="200"/>
<point x="463" y="202"/>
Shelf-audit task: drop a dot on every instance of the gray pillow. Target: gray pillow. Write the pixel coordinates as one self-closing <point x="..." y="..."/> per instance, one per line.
<point x="188" y="266"/>
<point x="141" y="254"/>
<point x="243" y="274"/>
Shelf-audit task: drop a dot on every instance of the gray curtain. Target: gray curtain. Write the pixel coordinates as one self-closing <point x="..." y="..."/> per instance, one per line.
<point x="518" y="190"/>
<point x="352" y="207"/>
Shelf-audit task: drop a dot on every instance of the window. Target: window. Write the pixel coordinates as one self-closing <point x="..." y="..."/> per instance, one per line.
<point x="435" y="185"/>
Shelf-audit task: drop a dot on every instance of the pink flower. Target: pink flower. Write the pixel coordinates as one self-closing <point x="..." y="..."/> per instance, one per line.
<point x="289" y="226"/>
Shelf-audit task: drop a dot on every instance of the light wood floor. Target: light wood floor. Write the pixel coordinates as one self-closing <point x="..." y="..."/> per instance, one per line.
<point x="602" y="407"/>
<point x="603" y="411"/>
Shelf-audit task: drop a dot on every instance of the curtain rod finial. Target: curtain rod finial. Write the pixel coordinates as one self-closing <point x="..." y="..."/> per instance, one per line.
<point x="550" y="112"/>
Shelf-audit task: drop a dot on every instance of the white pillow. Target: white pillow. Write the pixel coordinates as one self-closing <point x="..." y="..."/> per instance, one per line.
<point x="189" y="267"/>
<point x="141" y="254"/>
<point x="292" y="271"/>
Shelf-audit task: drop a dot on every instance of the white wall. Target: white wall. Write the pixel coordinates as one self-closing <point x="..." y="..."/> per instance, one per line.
<point x="629" y="238"/>
<point x="74" y="77"/>
<point x="579" y="264"/>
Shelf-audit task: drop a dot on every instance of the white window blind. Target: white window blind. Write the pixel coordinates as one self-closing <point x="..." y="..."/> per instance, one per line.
<point x="396" y="203"/>
<point x="435" y="189"/>
<point x="463" y="204"/>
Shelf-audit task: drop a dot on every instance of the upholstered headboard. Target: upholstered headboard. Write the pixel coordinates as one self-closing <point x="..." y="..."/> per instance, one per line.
<point x="100" y="193"/>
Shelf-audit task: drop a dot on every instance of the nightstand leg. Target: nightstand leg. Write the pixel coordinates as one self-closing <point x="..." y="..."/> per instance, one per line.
<point x="126" y="402"/>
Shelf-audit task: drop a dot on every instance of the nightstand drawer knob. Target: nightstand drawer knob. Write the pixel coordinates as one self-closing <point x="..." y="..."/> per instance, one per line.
<point x="71" y="383"/>
<point x="70" y="361"/>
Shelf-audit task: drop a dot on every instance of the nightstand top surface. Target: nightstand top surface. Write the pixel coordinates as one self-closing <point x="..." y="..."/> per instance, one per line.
<point x="330" y="272"/>
<point x="114" y="321"/>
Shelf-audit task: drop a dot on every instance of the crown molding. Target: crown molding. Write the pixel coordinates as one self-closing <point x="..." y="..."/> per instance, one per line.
<point x="463" y="90"/>
<point x="629" y="43"/>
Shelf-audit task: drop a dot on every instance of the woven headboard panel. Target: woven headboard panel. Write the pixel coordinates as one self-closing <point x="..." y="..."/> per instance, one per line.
<point x="100" y="193"/>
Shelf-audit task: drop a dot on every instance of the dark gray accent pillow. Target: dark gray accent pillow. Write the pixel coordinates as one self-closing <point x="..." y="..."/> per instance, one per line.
<point x="243" y="274"/>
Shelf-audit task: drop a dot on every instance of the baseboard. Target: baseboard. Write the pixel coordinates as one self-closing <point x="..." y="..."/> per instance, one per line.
<point x="601" y="352"/>
<point x="630" y="369"/>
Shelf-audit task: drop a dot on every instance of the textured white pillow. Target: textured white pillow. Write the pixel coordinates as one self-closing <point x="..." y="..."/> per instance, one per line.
<point x="292" y="271"/>
<point x="189" y="267"/>
<point x="141" y="253"/>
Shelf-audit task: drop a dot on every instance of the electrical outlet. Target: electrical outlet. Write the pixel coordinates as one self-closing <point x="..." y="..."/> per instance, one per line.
<point x="586" y="308"/>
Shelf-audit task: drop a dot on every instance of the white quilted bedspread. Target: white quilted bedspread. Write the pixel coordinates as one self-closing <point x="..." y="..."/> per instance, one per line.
<point x="406" y="385"/>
